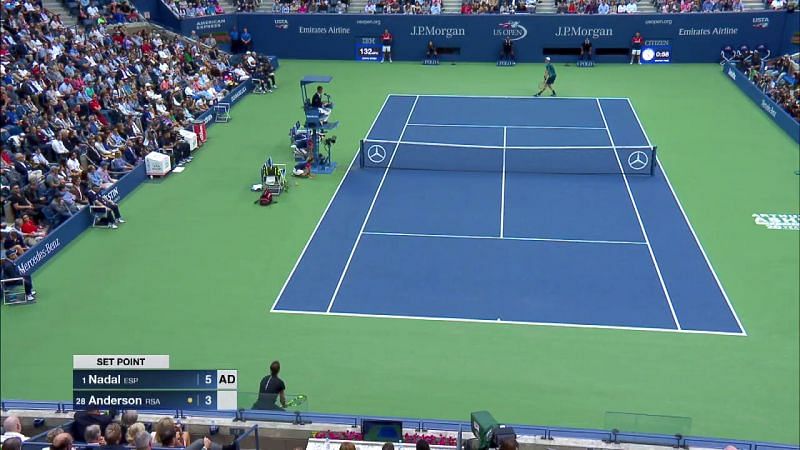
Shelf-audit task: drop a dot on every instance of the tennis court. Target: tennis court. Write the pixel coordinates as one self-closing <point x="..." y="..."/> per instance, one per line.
<point x="548" y="211"/>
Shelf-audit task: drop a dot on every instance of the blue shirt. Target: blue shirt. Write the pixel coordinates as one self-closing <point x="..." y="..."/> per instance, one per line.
<point x="246" y="37"/>
<point x="95" y="178"/>
<point x="234" y="35"/>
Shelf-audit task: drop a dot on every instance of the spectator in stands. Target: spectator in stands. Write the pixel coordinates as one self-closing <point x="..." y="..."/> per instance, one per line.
<point x="62" y="441"/>
<point x="61" y="211"/>
<point x="168" y="432"/>
<point x="142" y="440"/>
<point x="12" y="427"/>
<point x="509" y="444"/>
<point x="12" y="444"/>
<point x="169" y="439"/>
<point x="132" y="431"/>
<point x="113" y="438"/>
<point x="93" y="436"/>
<point x="20" y="203"/>
<point x="119" y="165"/>
<point x="347" y="446"/>
<point x="51" y="436"/>
<point x="422" y="444"/>
<point x="105" y="177"/>
<point x="10" y="270"/>
<point x="387" y="446"/>
<point x="31" y="232"/>
<point x="272" y="388"/>
<point x="779" y="79"/>
<point x="83" y="419"/>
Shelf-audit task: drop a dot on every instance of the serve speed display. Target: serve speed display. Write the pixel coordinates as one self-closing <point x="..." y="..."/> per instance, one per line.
<point x="368" y="49"/>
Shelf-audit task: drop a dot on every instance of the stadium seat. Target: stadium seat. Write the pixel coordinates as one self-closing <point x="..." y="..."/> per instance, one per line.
<point x="273" y="178"/>
<point x="222" y="112"/>
<point x="99" y="215"/>
<point x="13" y="291"/>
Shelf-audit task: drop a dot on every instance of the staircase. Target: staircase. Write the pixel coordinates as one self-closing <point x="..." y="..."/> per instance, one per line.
<point x="753" y="5"/>
<point x="56" y="7"/>
<point x="357" y="6"/>
<point x="228" y="5"/>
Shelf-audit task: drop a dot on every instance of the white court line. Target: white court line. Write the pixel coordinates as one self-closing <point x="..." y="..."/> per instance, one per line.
<point x="509" y="322"/>
<point x="509" y="147"/>
<point x="503" y="238"/>
<point x="529" y="97"/>
<point x="525" y="127"/>
<point x="371" y="206"/>
<point x="325" y="212"/>
<point x="691" y="228"/>
<point x="639" y="218"/>
<point x="503" y="185"/>
<point x="702" y="250"/>
<point x="641" y="127"/>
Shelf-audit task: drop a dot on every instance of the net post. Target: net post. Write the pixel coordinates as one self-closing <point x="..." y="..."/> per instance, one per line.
<point x="653" y="161"/>
<point x="361" y="153"/>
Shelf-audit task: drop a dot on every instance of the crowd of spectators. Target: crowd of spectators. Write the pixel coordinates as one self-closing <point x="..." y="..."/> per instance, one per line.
<point x="695" y="6"/>
<point x="196" y="8"/>
<point x="597" y="7"/>
<point x="104" y="431"/>
<point x="499" y="7"/>
<point x="403" y="7"/>
<point x="247" y="5"/>
<point x="779" y="78"/>
<point x="789" y="5"/>
<point x="82" y="106"/>
<point x="309" y="6"/>
<point x="662" y="6"/>
<point x="100" y="12"/>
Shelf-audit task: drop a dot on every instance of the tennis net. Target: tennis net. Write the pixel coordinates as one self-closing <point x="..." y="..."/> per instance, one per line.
<point x="630" y="160"/>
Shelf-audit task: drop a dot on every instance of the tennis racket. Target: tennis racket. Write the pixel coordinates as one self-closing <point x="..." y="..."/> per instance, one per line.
<point x="542" y="84"/>
<point x="297" y="401"/>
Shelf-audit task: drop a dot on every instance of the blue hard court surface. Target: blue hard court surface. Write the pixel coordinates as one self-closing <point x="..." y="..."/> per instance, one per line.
<point x="611" y="250"/>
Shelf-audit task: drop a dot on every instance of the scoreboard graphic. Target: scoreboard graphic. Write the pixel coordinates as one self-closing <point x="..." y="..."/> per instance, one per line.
<point x="146" y="382"/>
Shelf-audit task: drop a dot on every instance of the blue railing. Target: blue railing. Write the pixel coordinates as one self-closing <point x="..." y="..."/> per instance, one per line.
<point x="423" y="425"/>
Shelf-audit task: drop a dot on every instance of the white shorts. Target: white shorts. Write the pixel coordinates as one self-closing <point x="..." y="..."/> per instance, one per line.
<point x="636" y="51"/>
<point x="387" y="49"/>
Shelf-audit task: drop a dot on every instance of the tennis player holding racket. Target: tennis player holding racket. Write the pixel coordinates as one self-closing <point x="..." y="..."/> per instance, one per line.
<point x="549" y="78"/>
